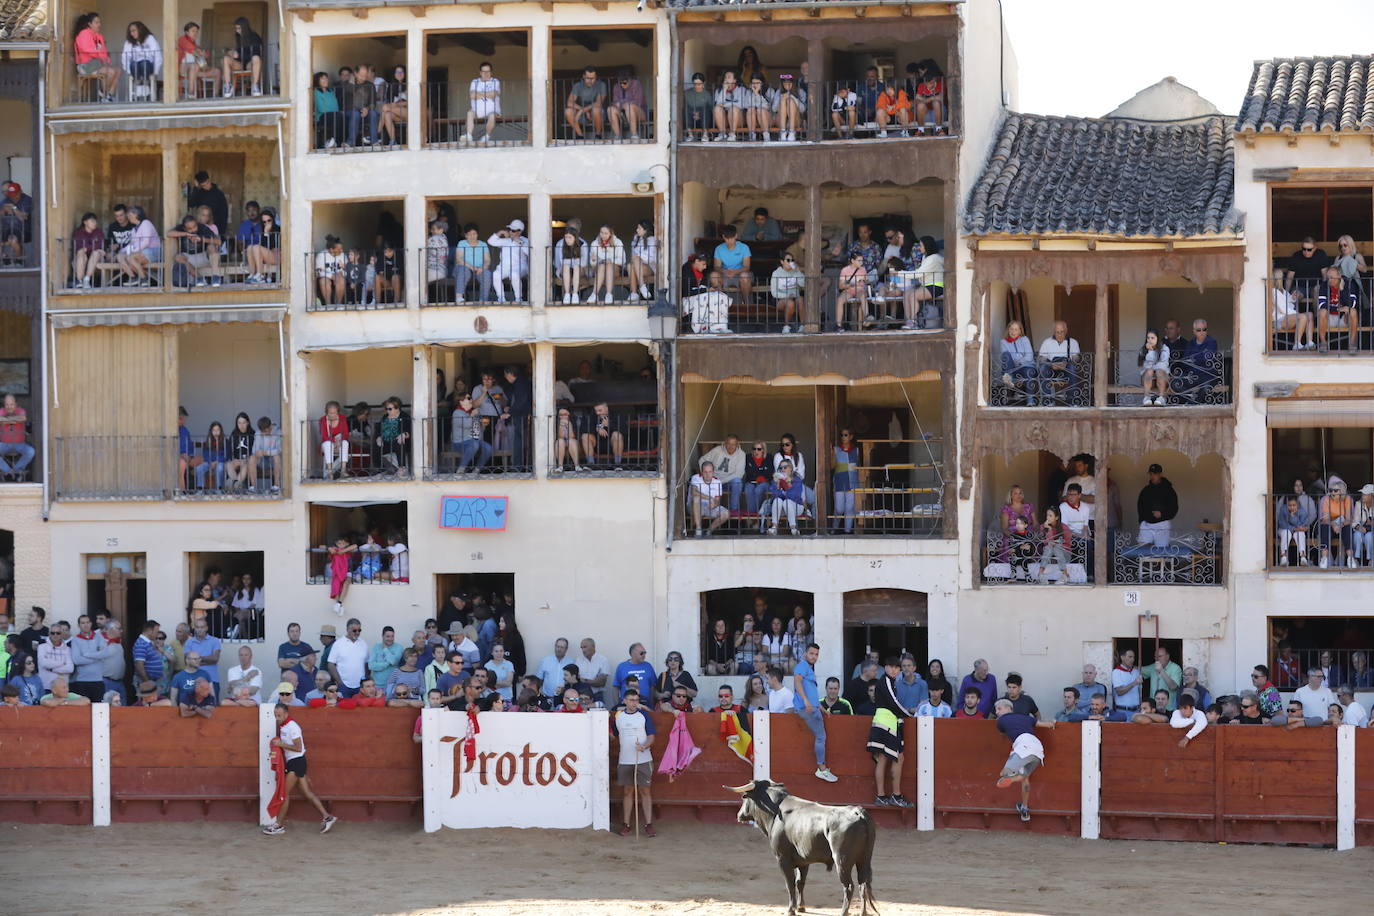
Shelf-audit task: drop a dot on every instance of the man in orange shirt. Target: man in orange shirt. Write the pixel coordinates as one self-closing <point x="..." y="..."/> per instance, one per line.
<point x="894" y="107"/>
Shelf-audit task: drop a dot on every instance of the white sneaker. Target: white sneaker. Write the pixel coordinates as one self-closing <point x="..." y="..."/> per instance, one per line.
<point x="257" y="91"/>
<point x="568" y="299"/>
<point x="609" y="299"/>
<point x="882" y="134"/>
<point x="1283" y="560"/>
<point x="1324" y="562"/>
<point x="644" y="291"/>
<point x="767" y="137"/>
<point x="787" y="329"/>
<point x="331" y="143"/>
<point x="905" y="133"/>
<point x="327" y="823"/>
<point x="634" y="297"/>
<point x="824" y="773"/>
<point x="730" y="138"/>
<point x="228" y="91"/>
<point x="485" y="141"/>
<point x="1350" y="562"/>
<point x="200" y="281"/>
<point x="273" y="830"/>
<point x="795" y="532"/>
<point x="466" y="138"/>
<point x="591" y="298"/>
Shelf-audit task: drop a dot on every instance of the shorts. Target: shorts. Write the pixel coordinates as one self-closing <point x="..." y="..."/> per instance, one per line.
<point x="882" y="741"/>
<point x="485" y="108"/>
<point x="625" y="773"/>
<point x="198" y="259"/>
<point x="90" y="67"/>
<point x="708" y="512"/>
<point x="296" y="765"/>
<point x="1027" y="753"/>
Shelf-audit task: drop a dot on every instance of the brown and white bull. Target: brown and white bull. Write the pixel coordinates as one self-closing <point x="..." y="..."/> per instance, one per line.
<point x="804" y="833"/>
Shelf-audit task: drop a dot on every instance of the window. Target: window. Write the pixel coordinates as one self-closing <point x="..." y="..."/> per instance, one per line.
<point x="374" y="529"/>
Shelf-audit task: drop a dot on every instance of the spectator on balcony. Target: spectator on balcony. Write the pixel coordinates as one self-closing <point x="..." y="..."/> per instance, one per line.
<point x="118" y="233"/>
<point x="473" y="451"/>
<point x="214" y="456"/>
<point x="720" y="653"/>
<point x="763" y="227"/>
<point x="142" y="60"/>
<point x="748" y="65"/>
<point x="869" y="91"/>
<point x="472" y="261"/>
<point x="390" y="277"/>
<point x="708" y="309"/>
<point x="868" y="248"/>
<point x="1164" y="674"/>
<point x="13" y="431"/>
<point x="1335" y="514"/>
<point x="1296" y="514"/>
<point x="1338" y="304"/>
<point x="1016" y="507"/>
<point x="706" y="492"/>
<point x="358" y="99"/>
<point x="197" y="253"/>
<point x="1287" y="317"/>
<point x="264" y="255"/>
<point x="844" y="113"/>
<point x="606" y="260"/>
<point x="1200" y="363"/>
<point x="1287" y="666"/>
<point x="393" y="438"/>
<point x="643" y="261"/>
<point x="93" y="58"/>
<point x="893" y="107"/>
<point x="1361" y="531"/>
<point x="1058" y="540"/>
<point x="194" y="62"/>
<point x="334" y="441"/>
<point x="205" y="193"/>
<point x="436" y="255"/>
<point x="1350" y="262"/>
<point x="515" y="260"/>
<point x="566" y="445"/>
<point x="730" y="107"/>
<point x="697" y="110"/>
<point x="1059" y="358"/>
<point x="922" y="300"/>
<point x="1307" y="271"/>
<point x="733" y="259"/>
<point x="757" y="109"/>
<point x="930" y="98"/>
<point x="605" y="437"/>
<point x="788" y="285"/>
<point x="789" y="498"/>
<point x="1157" y="505"/>
<point x="240" y="455"/>
<point x="16" y="210"/>
<point x="853" y="289"/>
<point x="757" y="477"/>
<point x="484" y="102"/>
<point x="1018" y="361"/>
<point x="569" y="258"/>
<point x="627" y="102"/>
<point x="1153" y="360"/>
<point x="143" y="250"/>
<point x="329" y="271"/>
<point x="788" y="103"/>
<point x="328" y="118"/>
<point x="585" y="105"/>
<point x="845" y="478"/>
<point x="395" y="109"/>
<point x="244" y="57"/>
<point x="245" y="602"/>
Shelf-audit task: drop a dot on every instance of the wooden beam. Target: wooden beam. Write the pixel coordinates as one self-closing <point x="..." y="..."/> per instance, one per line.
<point x="811" y="257"/>
<point x="517" y="37"/>
<point x="307" y="15"/>
<point x="585" y="40"/>
<point x="640" y="37"/>
<point x="418" y="11"/>
<point x="360" y="12"/>
<point x="1101" y="347"/>
<point x="487" y="8"/>
<point x="478" y="44"/>
<point x="825" y="438"/>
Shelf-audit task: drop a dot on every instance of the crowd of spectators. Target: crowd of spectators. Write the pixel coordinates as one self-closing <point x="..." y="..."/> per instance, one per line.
<point x="246" y="460"/>
<point x="1322" y="521"/>
<point x="356" y="445"/>
<point x="361" y="107"/>
<point x="1314" y="295"/>
<point x="757" y="486"/>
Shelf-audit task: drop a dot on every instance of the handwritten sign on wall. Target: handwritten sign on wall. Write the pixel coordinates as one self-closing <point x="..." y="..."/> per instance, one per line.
<point x="474" y="513"/>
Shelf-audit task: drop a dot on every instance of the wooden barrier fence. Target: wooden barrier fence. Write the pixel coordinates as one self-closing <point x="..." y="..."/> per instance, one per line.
<point x="1231" y="784"/>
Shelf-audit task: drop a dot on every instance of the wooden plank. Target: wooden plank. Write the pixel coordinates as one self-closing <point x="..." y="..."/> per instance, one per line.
<point x="1364" y="787"/>
<point x="846" y="753"/>
<point x="968" y="758"/>
<point x="159" y="737"/>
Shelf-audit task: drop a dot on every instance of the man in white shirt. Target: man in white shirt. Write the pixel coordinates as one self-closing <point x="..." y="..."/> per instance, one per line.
<point x="1081" y="465"/>
<point x="245" y="674"/>
<point x="708" y="311"/>
<point x="728" y="460"/>
<point x="1314" y="696"/>
<point x="1058" y="360"/>
<point x="348" y="659"/>
<point x="515" y="260"/>
<point x="1078" y="516"/>
<point x="1126" y="684"/>
<point x="1355" y="714"/>
<point x="1188" y="716"/>
<point x="780" y="696"/>
<point x="704" y="493"/>
<point x="593" y="666"/>
<point x="635" y="729"/>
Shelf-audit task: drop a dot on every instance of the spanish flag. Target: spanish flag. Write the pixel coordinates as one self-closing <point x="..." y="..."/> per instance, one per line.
<point x="735" y="733"/>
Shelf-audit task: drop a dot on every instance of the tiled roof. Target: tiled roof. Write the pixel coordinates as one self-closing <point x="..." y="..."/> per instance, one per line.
<point x="1308" y="94"/>
<point x="1107" y="176"/>
<point x="24" y="20"/>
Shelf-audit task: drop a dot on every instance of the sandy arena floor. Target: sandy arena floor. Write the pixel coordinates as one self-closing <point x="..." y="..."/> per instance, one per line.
<point x="688" y="869"/>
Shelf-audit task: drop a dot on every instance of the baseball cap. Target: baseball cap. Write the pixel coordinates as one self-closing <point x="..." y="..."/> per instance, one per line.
<point x="285" y="687"/>
<point x="12" y="187"/>
<point x="516" y="224"/>
<point x="1156" y="469"/>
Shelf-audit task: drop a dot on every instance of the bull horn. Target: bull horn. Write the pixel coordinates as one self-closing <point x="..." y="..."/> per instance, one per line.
<point x="739" y="790"/>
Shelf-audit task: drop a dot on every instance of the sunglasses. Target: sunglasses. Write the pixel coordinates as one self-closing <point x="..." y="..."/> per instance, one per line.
<point x="758" y="449"/>
<point x="1308" y="250"/>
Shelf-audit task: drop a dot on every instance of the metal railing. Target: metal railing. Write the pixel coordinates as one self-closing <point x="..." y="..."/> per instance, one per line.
<point x="361" y="128"/>
<point x="237" y="624"/>
<point x="1341" y="667"/>
<point x="1028" y="558"/>
<point x="82" y="270"/>
<point x="593" y="274"/>
<point x="1307" y="317"/>
<point x="853" y="110"/>
<point x="1300" y="539"/>
<point x="1183" y="558"/>
<point x="1043" y="382"/>
<point x="370" y="279"/>
<point x="897" y="301"/>
<point x="624" y="443"/>
<point x="505" y="447"/>
<point x="230" y="263"/>
<point x="748" y="510"/>
<point x="612" y="121"/>
<point x="369" y="565"/>
<point x="449" y="282"/>
<point x="1196" y="377"/>
<point x="367" y="454"/>
<point x="140" y="83"/>
<point x="458" y="114"/>
<point x="153" y="468"/>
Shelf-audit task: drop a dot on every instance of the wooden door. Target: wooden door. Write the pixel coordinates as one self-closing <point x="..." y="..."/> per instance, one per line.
<point x="217" y="24"/>
<point x="136" y="180"/>
<point x="1078" y="307"/>
<point x="226" y="170"/>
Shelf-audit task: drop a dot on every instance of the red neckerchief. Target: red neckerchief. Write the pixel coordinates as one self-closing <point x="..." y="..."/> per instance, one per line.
<point x="85" y="636"/>
<point x="677" y="708"/>
<point x="1124" y="668"/>
<point x="470" y="739"/>
<point x="1011" y="339"/>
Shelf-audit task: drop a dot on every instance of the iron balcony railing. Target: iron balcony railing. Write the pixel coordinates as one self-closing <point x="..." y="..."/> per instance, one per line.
<point x="81" y="268"/>
<point x="624" y="442"/>
<point x="1174" y="558"/>
<point x="143" y="80"/>
<point x="780" y="303"/>
<point x="354" y="127"/>
<point x="505" y="447"/>
<point x="590" y="273"/>
<point x="1031" y="558"/>
<point x="1041" y="382"/>
<point x="450" y="280"/>
<point x="154" y="468"/>
<point x="370" y="564"/>
<point x="370" y="450"/>
<point x="1319" y="533"/>
<point x="605" y="112"/>
<point x="1340" y="667"/>
<point x="1194" y="377"/>
<point x="357" y="279"/>
<point x="1312" y="318"/>
<point x="476" y="113"/>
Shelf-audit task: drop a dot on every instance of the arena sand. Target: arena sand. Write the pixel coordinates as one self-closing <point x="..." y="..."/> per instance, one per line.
<point x="688" y="869"/>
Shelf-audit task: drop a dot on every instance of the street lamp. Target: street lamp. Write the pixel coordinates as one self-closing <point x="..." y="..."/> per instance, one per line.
<point x="663" y="319"/>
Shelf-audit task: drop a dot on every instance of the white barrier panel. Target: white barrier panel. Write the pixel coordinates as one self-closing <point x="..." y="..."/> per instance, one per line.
<point x="925" y="773"/>
<point x="1345" y="787"/>
<point x="1091" y="780"/>
<point x="267" y="779"/>
<point x="762" y="740"/>
<point x="100" y="765"/>
<point x="525" y="771"/>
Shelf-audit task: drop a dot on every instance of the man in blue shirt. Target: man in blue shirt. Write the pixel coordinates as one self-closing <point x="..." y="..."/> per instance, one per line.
<point x="1070" y="711"/>
<point x="207" y="647"/>
<point x="184" y="680"/>
<point x="806" y="700"/>
<point x="636" y="665"/>
<point x="1088" y="688"/>
<point x="293" y="650"/>
<point x="911" y="687"/>
<point x="550" y="671"/>
<point x="1027" y="753"/>
<point x="733" y="259"/>
<point x="148" y="661"/>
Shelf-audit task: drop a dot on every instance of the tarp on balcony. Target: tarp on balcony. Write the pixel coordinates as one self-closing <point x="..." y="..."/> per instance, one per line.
<point x="93" y="318"/>
<point x="1312" y="413"/>
<point x="815" y="359"/>
<point x="169" y="122"/>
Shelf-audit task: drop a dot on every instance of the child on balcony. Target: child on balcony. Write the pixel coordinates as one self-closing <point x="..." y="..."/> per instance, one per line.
<point x="357" y="288"/>
<point x="1058" y="540"/>
<point x="853" y="289"/>
<point x="338" y="570"/>
<point x="240" y="452"/>
<point x="333" y="441"/>
<point x="266" y="456"/>
<point x="370" y="564"/>
<point x="400" y="556"/>
<point x="214" y="453"/>
<point x="1022" y="547"/>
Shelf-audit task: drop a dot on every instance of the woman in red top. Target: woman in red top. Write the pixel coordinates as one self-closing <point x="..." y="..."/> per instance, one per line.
<point x="193" y="62"/>
<point x="333" y="440"/>
<point x="93" y="58"/>
<point x="930" y="97"/>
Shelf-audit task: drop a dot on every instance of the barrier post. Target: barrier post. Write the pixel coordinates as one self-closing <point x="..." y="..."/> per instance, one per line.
<point x="100" y="765"/>
<point x="1345" y="787"/>
<point x="762" y="744"/>
<point x="267" y="780"/>
<point x="599" y="720"/>
<point x="430" y="723"/>
<point x="925" y="773"/>
<point x="1090" y="779"/>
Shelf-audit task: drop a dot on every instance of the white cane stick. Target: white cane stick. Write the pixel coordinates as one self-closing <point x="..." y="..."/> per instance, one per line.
<point x="634" y="799"/>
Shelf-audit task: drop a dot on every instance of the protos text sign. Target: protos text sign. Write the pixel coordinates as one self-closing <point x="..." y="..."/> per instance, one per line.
<point x="519" y="770"/>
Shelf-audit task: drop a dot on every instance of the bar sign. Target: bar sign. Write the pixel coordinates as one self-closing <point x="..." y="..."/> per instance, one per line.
<point x="473" y="513"/>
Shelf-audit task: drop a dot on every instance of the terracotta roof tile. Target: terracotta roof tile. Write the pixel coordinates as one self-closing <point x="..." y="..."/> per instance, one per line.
<point x="1309" y="95"/>
<point x="24" y="20"/>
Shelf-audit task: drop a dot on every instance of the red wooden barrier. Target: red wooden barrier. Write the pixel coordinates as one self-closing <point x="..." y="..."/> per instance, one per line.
<point x="1277" y="786"/>
<point x="363" y="764"/>
<point x="968" y="759"/>
<point x="45" y="765"/>
<point x="1154" y="790"/>
<point x="1364" y="787"/>
<point x="793" y="762"/>
<point x="167" y="768"/>
<point x="697" y="792"/>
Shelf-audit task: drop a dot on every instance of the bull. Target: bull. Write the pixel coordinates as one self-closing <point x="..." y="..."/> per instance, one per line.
<point x="804" y="833"/>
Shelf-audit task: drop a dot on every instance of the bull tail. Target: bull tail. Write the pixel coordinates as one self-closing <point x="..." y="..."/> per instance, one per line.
<point x="864" y="867"/>
<point x="867" y="900"/>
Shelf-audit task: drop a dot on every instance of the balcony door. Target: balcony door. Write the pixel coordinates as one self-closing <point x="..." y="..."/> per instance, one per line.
<point x="136" y="180"/>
